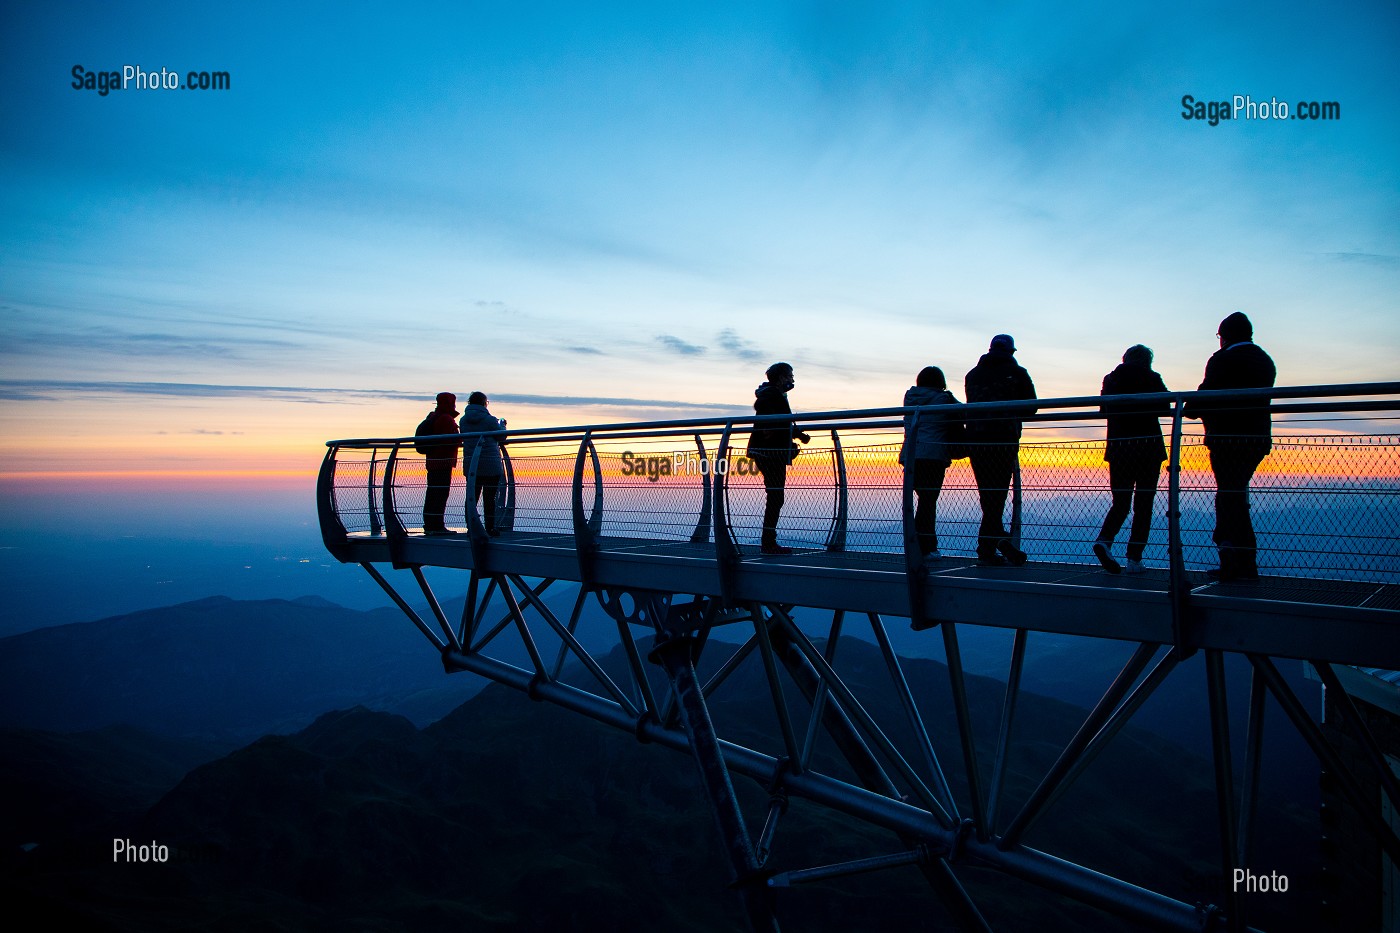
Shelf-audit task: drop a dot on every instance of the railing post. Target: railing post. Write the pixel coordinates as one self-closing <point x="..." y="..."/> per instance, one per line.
<point x="726" y="547"/>
<point x="333" y="533"/>
<point x="394" y="530"/>
<point x="836" y="540"/>
<point x="1178" y="588"/>
<point x="701" y="534"/>
<point x="505" y="511"/>
<point x="587" y="527"/>
<point x="376" y="527"/>
<point x="1015" y="530"/>
<point x="913" y="553"/>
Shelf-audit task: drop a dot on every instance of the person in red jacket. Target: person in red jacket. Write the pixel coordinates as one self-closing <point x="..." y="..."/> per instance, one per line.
<point x="441" y="459"/>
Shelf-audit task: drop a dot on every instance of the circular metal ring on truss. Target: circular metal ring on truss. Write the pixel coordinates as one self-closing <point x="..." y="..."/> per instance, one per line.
<point x="635" y="607"/>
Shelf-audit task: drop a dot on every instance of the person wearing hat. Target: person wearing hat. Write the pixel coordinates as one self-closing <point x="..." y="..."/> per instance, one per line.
<point x="1134" y="451"/>
<point x="1238" y="436"/>
<point x="489" y="467"/>
<point x="771" y="449"/>
<point x="441" y="458"/>
<point x="995" y="444"/>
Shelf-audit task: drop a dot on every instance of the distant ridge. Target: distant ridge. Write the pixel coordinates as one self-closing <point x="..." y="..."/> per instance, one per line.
<point x="222" y="670"/>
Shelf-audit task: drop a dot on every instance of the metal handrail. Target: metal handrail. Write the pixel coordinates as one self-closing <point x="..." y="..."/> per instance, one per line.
<point x="628" y="428"/>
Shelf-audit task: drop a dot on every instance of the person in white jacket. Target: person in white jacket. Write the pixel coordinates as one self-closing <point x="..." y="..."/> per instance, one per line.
<point x="489" y="468"/>
<point x="927" y="451"/>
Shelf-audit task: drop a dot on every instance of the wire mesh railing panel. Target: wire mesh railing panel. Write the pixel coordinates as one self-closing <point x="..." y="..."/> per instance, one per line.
<point x="358" y="490"/>
<point x="653" y="489"/>
<point x="544" y="482"/>
<point x="1322" y="503"/>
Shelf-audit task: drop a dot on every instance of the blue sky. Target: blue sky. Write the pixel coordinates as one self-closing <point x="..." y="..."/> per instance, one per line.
<point x="650" y="202"/>
<point x="613" y="211"/>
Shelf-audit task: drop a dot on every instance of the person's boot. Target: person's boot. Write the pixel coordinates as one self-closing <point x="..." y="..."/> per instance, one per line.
<point x="1014" y="555"/>
<point x="1103" y="553"/>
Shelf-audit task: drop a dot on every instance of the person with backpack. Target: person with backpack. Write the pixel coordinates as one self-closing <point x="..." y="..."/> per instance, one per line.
<point x="440" y="459"/>
<point x="771" y="449"/>
<point x="929" y="450"/>
<point x="995" y="443"/>
<point x="1134" y="451"/>
<point x="489" y="466"/>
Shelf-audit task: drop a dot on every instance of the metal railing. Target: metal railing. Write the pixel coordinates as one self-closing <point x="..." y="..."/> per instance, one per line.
<point x="1325" y="500"/>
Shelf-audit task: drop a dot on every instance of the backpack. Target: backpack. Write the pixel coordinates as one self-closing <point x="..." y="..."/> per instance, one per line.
<point x="426" y="429"/>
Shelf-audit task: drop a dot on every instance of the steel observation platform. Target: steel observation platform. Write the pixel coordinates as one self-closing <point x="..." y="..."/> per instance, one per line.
<point x="659" y="522"/>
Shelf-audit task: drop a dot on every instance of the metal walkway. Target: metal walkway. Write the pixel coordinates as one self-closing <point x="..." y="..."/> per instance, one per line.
<point x="658" y="521"/>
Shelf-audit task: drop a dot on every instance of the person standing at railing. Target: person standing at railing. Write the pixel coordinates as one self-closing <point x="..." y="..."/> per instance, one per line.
<point x="1134" y="451"/>
<point x="995" y="446"/>
<point x="440" y="459"/>
<point x="771" y="447"/>
<point x="489" y="469"/>
<point x="927" y="451"/>
<point x="1239" y="434"/>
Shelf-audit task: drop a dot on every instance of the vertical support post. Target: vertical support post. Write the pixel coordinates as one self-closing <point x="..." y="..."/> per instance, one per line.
<point x="676" y="655"/>
<point x="911" y="711"/>
<point x="853" y="748"/>
<point x="333" y="533"/>
<point x="819" y="697"/>
<point x="1015" y="530"/>
<point x="1253" y="753"/>
<point x="836" y="540"/>
<point x="587" y="527"/>
<point x="969" y="745"/>
<point x="393" y="527"/>
<point x="1224" y="781"/>
<point x="701" y="534"/>
<point x="436" y="608"/>
<point x="726" y="546"/>
<point x="505" y="510"/>
<point x="376" y="527"/>
<point x="914" y="570"/>
<point x="1008" y="719"/>
<point x="780" y="707"/>
<point x="1178" y="589"/>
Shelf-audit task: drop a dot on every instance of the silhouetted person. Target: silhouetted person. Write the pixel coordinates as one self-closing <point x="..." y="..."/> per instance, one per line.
<point x="489" y="467"/>
<point x="772" y="449"/>
<point x="927" y="452"/>
<point x="1239" y="436"/>
<point x="1134" y="451"/>
<point x="440" y="459"/>
<point x="995" y="446"/>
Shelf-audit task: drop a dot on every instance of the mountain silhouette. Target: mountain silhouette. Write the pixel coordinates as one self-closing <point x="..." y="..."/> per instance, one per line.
<point x="509" y="814"/>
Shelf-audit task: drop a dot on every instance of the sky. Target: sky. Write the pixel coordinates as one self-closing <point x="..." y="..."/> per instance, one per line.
<point x="605" y="212"/>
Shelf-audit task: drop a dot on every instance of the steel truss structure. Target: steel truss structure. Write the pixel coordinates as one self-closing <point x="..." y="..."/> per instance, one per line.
<point x="693" y="574"/>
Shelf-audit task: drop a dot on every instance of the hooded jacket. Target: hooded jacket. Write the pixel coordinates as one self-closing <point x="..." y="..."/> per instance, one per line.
<point x="477" y="418"/>
<point x="444" y="455"/>
<point x="930" y="439"/>
<point x="771" y="441"/>
<point x="1133" y="430"/>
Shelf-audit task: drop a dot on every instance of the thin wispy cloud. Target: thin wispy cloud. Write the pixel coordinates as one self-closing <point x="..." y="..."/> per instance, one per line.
<point x="677" y="345"/>
<point x="1371" y="259"/>
<point x="730" y="342"/>
<point x="59" y="390"/>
